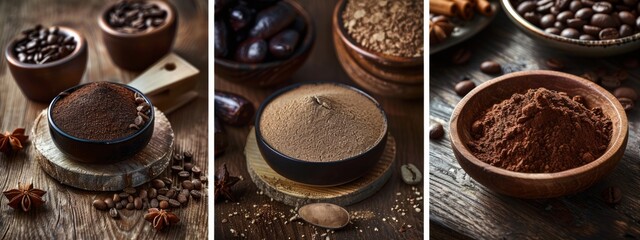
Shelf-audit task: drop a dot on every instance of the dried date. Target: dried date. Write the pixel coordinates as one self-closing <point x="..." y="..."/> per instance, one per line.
<point x="283" y="44"/>
<point x="272" y="20"/>
<point x="252" y="51"/>
<point x="233" y="109"/>
<point x="220" y="36"/>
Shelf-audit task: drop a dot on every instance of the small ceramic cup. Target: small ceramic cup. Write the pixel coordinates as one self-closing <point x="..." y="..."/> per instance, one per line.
<point x="137" y="51"/>
<point x="92" y="151"/>
<point x="42" y="82"/>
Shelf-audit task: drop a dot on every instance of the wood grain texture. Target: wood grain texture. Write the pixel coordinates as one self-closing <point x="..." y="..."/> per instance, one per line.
<point x="405" y="123"/>
<point x="133" y="171"/>
<point x="461" y="205"/>
<point x="68" y="213"/>
<point x="295" y="194"/>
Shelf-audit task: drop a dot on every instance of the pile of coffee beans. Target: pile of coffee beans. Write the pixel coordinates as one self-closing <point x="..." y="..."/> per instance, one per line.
<point x="142" y="110"/>
<point x="41" y="45"/>
<point x="135" y="16"/>
<point x="163" y="192"/>
<point x="582" y="19"/>
<point x="256" y="31"/>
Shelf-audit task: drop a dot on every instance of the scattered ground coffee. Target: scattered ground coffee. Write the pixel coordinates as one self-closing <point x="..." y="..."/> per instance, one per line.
<point x="541" y="131"/>
<point x="322" y="123"/>
<point x="97" y="111"/>
<point x="390" y="27"/>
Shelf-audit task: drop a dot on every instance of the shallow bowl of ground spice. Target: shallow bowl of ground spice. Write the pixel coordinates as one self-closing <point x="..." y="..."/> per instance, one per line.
<point x="100" y="122"/>
<point x="538" y="134"/>
<point x="321" y="134"/>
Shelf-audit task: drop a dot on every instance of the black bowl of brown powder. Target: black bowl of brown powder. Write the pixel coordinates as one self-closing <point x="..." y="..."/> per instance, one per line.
<point x="101" y="122"/>
<point x="321" y="134"/>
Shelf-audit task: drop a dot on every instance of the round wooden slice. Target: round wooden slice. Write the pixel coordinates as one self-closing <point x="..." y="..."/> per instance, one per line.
<point x="134" y="171"/>
<point x="296" y="194"/>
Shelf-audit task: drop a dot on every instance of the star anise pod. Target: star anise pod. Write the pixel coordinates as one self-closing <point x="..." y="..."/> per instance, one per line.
<point x="223" y="184"/>
<point x="25" y="197"/>
<point x="10" y="142"/>
<point x="440" y="28"/>
<point x="161" y="218"/>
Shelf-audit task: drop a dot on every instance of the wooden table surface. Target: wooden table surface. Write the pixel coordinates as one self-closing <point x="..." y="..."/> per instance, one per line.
<point x="68" y="213"/>
<point x="406" y="125"/>
<point x="462" y="208"/>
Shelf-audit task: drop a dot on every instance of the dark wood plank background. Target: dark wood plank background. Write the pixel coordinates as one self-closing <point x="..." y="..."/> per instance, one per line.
<point x="406" y="124"/>
<point x="68" y="213"/>
<point x="461" y="208"/>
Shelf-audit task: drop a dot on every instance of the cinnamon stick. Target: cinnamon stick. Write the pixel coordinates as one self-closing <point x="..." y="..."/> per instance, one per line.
<point x="464" y="9"/>
<point x="484" y="7"/>
<point x="443" y="7"/>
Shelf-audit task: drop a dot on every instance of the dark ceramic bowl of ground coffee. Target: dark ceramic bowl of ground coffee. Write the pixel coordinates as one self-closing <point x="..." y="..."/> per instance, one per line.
<point x="47" y="60"/>
<point x="321" y="134"/>
<point x="101" y="122"/>
<point x="585" y="28"/>
<point x="538" y="134"/>
<point x="138" y="33"/>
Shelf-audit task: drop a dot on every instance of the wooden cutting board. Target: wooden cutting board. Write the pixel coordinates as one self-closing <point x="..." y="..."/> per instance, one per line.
<point x="133" y="171"/>
<point x="296" y="194"/>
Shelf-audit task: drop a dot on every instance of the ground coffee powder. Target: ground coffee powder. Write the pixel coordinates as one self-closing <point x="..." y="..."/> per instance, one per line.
<point x="541" y="131"/>
<point x="97" y="111"/>
<point x="322" y="123"/>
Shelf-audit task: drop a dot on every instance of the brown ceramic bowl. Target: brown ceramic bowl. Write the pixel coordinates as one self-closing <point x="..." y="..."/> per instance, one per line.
<point x="319" y="173"/>
<point x="273" y="72"/>
<point x="137" y="51"/>
<point x="101" y="152"/>
<point x="536" y="185"/>
<point x="42" y="82"/>
<point x="589" y="48"/>
<point x="382" y="74"/>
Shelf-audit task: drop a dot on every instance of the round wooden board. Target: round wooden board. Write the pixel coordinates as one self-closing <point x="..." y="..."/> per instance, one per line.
<point x="296" y="194"/>
<point x="134" y="171"/>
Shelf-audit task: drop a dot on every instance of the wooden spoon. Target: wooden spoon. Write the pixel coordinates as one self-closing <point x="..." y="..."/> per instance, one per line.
<point x="325" y="215"/>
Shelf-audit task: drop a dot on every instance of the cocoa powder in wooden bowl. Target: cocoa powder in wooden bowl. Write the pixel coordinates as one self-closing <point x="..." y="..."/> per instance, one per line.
<point x="538" y="134"/>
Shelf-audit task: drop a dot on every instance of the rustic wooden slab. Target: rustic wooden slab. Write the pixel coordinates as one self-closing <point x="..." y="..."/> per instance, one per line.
<point x="134" y="171"/>
<point x="296" y="194"/>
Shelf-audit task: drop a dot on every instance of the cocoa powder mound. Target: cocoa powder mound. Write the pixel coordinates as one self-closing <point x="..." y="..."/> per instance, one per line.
<point x="541" y="131"/>
<point x="97" y="111"/>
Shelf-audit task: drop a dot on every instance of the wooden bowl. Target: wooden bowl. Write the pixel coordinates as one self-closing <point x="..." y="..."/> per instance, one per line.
<point x="138" y="51"/>
<point x="319" y="173"/>
<point x="272" y="72"/>
<point x="589" y="48"/>
<point x="101" y="152"/>
<point x="42" y="82"/>
<point x="536" y="185"/>
<point x="382" y="74"/>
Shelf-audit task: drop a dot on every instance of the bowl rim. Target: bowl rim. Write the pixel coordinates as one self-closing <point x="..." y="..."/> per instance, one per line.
<point x="169" y="21"/>
<point x="305" y="45"/>
<point x="81" y="46"/>
<point x="277" y="94"/>
<point x="350" y="42"/>
<point x="52" y="124"/>
<point x="520" y="21"/>
<point x="616" y="142"/>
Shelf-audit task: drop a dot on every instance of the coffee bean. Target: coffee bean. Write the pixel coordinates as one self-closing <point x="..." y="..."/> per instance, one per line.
<point x="602" y="20"/>
<point x="196" y="171"/>
<point x="163" y="191"/>
<point x="552" y="30"/>
<point x="576" y="23"/>
<point x="627" y="104"/>
<point x="177" y="159"/>
<point x="591" y="30"/>
<point x="547" y="20"/>
<point x="162" y="198"/>
<point x="461" y="56"/>
<point x="532" y="18"/>
<point x="109" y="202"/>
<point x="602" y="7"/>
<point x="608" y="33"/>
<point x="627" y="17"/>
<point x="184" y="175"/>
<point x="188" y="156"/>
<point x="123" y="195"/>
<point x="153" y="203"/>
<point x="197" y="185"/>
<point x="196" y="194"/>
<point x="188" y="166"/>
<point x="436" y="131"/>
<point x="116" y="197"/>
<point x="612" y="195"/>
<point x="626" y="92"/>
<point x="176" y="169"/>
<point x="464" y="87"/>
<point x="490" y="67"/>
<point x="621" y="74"/>
<point x="167" y="181"/>
<point x="138" y="121"/>
<point x="137" y="202"/>
<point x="564" y="16"/>
<point x="157" y="183"/>
<point x="203" y="179"/>
<point x="113" y="213"/>
<point x="584" y="13"/>
<point x="119" y="205"/>
<point x="174" y="203"/>
<point x="143" y="194"/>
<point x="163" y="204"/>
<point x="555" y="64"/>
<point x="526" y="6"/>
<point x="100" y="205"/>
<point x="410" y="174"/>
<point x="129" y="190"/>
<point x="186" y="184"/>
<point x="153" y="193"/>
<point x="130" y="206"/>
<point x="586" y="37"/>
<point x="184" y="191"/>
<point x="570" y="33"/>
<point x="130" y="198"/>
<point x="625" y="31"/>
<point x="610" y="82"/>
<point x="124" y="202"/>
<point x="183" y="198"/>
<point x="171" y="193"/>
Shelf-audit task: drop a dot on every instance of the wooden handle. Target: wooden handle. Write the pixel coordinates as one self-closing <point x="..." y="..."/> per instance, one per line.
<point x="168" y="83"/>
